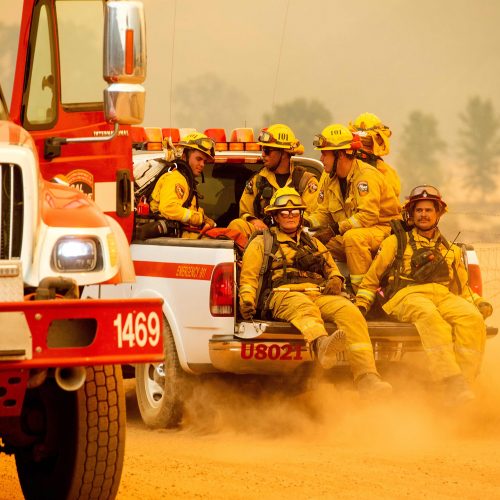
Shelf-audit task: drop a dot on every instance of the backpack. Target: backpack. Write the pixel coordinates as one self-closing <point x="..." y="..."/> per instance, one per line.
<point x="149" y="172"/>
<point x="146" y="175"/>
<point x="264" y="286"/>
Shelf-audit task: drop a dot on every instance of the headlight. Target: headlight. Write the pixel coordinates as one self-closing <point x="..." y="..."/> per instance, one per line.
<point x="76" y="254"/>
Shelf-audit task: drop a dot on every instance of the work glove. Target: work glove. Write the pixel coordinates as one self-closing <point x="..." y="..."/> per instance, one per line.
<point x="196" y="219"/>
<point x="333" y="286"/>
<point x="247" y="309"/>
<point x="344" y="226"/>
<point x="485" y="308"/>
<point x="207" y="221"/>
<point x="326" y="233"/>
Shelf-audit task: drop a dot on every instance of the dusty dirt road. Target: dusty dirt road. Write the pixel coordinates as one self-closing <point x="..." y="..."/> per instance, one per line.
<point x="322" y="444"/>
<point x="239" y="443"/>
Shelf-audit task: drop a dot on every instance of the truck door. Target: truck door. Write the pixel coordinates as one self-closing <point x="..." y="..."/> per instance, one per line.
<point x="58" y="92"/>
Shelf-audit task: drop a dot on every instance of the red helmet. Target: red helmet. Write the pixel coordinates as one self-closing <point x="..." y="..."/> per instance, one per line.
<point x="424" y="192"/>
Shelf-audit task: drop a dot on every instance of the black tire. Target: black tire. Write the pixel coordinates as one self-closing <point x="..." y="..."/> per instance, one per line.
<point x="161" y="388"/>
<point x="79" y="438"/>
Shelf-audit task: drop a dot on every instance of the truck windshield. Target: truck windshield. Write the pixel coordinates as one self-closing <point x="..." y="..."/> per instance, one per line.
<point x="80" y="28"/>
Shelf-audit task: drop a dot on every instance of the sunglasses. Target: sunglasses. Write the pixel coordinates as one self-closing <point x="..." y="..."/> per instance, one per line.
<point x="290" y="213"/>
<point x="267" y="150"/>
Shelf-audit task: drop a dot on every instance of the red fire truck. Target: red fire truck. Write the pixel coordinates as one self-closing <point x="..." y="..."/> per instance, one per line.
<point x="62" y="405"/>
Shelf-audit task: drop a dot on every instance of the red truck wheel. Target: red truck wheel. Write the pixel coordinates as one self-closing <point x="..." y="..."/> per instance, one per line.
<point x="79" y="442"/>
<point x="162" y="387"/>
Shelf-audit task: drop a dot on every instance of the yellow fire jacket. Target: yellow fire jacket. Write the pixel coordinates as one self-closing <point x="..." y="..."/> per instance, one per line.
<point x="370" y="200"/>
<point x="307" y="188"/>
<point x="168" y="196"/>
<point x="458" y="277"/>
<point x="391" y="176"/>
<point x="254" y="257"/>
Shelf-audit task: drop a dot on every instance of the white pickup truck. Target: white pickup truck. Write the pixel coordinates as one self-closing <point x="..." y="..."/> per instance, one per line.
<point x="197" y="281"/>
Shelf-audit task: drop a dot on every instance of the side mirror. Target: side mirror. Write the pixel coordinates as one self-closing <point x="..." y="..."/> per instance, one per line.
<point x="124" y="62"/>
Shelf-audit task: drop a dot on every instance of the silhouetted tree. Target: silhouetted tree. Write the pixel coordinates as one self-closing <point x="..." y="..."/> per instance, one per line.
<point x="305" y="117"/>
<point x="418" y="163"/>
<point x="208" y="102"/>
<point x="480" y="145"/>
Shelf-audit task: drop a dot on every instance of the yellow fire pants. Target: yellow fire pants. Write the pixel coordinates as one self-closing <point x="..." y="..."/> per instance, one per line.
<point x="356" y="246"/>
<point x="307" y="311"/>
<point x="452" y="330"/>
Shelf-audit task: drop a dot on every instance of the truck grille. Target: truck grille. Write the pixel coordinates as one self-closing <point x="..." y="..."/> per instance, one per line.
<point x="11" y="211"/>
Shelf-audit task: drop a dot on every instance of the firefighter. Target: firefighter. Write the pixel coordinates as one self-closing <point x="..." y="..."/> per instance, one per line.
<point x="174" y="196"/>
<point x="375" y="143"/>
<point x="293" y="291"/>
<point x="355" y="203"/>
<point x="425" y="283"/>
<point x="279" y="144"/>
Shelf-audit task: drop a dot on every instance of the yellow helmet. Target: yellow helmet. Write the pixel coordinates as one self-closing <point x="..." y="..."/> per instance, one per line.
<point x="373" y="133"/>
<point x="366" y="121"/>
<point x="281" y="137"/>
<point x="285" y="197"/>
<point x="336" y="137"/>
<point x="199" y="141"/>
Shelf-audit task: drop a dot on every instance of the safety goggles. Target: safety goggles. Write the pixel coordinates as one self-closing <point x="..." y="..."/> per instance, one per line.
<point x="288" y="199"/>
<point x="320" y="141"/>
<point x="266" y="137"/>
<point x="425" y="191"/>
<point x="206" y="144"/>
<point x="295" y="212"/>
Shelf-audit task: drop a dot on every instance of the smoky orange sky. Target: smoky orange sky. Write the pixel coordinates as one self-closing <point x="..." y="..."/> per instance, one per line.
<point x="389" y="57"/>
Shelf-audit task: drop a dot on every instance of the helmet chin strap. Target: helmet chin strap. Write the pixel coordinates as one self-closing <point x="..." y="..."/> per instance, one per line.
<point x="335" y="163"/>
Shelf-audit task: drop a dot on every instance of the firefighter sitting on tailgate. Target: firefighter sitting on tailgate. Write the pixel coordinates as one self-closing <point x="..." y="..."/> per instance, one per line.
<point x="174" y="196"/>
<point x="375" y="143"/>
<point x="424" y="281"/>
<point x="279" y="144"/>
<point x="355" y="203"/>
<point x="288" y="285"/>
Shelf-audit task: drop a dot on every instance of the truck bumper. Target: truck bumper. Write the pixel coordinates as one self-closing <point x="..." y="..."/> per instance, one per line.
<point x="46" y="334"/>
<point x="272" y="347"/>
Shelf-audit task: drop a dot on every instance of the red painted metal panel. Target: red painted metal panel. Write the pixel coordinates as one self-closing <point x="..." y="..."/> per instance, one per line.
<point x="128" y="331"/>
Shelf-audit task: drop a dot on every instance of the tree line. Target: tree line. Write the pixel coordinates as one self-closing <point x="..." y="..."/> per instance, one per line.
<point x="421" y="148"/>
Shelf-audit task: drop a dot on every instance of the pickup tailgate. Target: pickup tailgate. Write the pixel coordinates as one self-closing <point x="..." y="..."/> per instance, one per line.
<point x="276" y="347"/>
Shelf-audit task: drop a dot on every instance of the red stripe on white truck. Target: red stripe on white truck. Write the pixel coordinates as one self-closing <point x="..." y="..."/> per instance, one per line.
<point x="173" y="270"/>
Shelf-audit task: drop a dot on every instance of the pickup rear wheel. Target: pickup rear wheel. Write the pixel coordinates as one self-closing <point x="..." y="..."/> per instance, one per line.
<point x="78" y="438"/>
<point x="162" y="387"/>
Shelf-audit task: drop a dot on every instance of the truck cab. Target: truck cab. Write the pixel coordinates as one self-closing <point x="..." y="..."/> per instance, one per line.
<point x="62" y="402"/>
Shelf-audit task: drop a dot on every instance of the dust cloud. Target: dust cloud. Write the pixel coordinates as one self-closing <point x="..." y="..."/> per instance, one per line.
<point x="414" y="419"/>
